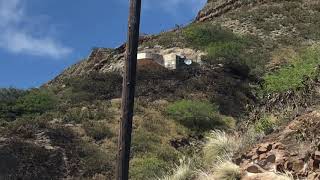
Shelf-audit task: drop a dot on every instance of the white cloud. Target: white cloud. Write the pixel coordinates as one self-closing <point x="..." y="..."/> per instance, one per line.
<point x="17" y="37"/>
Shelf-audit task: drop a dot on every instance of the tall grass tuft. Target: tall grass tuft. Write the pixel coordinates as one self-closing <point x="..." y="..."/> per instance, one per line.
<point x="227" y="170"/>
<point x="220" y="146"/>
<point x="184" y="171"/>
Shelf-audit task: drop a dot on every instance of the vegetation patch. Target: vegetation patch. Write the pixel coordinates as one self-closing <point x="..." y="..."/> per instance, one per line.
<point x="147" y="168"/>
<point x="36" y="102"/>
<point x="93" y="86"/>
<point x="225" y="47"/>
<point x="16" y="103"/>
<point x="265" y="125"/>
<point x="198" y="115"/>
<point x="97" y="130"/>
<point x="294" y="75"/>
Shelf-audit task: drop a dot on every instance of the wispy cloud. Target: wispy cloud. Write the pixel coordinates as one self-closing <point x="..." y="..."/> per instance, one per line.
<point x="18" y="35"/>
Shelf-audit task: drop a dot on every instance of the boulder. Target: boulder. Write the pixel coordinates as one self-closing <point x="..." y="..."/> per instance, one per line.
<point x="264" y="148"/>
<point x="253" y="168"/>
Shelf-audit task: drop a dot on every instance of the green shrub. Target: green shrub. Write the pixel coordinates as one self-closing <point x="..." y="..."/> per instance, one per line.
<point x="202" y="35"/>
<point x="74" y="115"/>
<point x="147" y="168"/>
<point x="8" y="99"/>
<point x="97" y="130"/>
<point x="226" y="50"/>
<point x="10" y="95"/>
<point x="36" y="102"/>
<point x="196" y="115"/>
<point x="265" y="125"/>
<point x="293" y="75"/>
<point x="242" y="53"/>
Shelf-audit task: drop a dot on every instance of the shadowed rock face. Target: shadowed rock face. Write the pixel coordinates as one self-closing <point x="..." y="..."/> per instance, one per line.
<point x="24" y="160"/>
<point x="49" y="153"/>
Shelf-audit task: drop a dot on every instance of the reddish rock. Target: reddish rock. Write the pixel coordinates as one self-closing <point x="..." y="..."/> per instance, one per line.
<point x="264" y="148"/>
<point x="293" y="154"/>
<point x="271" y="158"/>
<point x="245" y="163"/>
<point x="254" y="169"/>
<point x="249" y="155"/>
<point x="278" y="146"/>
<point x="262" y="156"/>
<point x="254" y="157"/>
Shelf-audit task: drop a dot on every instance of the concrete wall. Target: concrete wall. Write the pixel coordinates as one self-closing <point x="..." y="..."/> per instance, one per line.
<point x="170" y="61"/>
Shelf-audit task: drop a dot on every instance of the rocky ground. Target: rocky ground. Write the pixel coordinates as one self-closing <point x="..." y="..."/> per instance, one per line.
<point x="293" y="149"/>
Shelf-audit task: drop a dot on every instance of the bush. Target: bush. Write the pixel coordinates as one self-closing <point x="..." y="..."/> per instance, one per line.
<point x="196" y="115"/>
<point x="36" y="102"/>
<point x="10" y="95"/>
<point x="225" y="47"/>
<point x="8" y="99"/>
<point x="224" y="50"/>
<point x="293" y="76"/>
<point x="94" y="86"/>
<point x="97" y="130"/>
<point x="202" y="35"/>
<point x="74" y="115"/>
<point x="147" y="168"/>
<point x="265" y="125"/>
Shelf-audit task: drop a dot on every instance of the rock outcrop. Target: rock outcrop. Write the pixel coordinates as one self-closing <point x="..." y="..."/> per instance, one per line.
<point x="295" y="149"/>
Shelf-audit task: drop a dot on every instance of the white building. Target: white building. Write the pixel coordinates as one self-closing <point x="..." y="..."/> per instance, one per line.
<point x="169" y="61"/>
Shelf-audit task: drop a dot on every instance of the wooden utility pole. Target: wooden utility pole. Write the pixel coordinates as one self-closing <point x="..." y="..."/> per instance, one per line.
<point x="128" y="91"/>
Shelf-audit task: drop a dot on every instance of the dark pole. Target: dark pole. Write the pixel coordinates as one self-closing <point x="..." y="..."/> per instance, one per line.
<point x="128" y="90"/>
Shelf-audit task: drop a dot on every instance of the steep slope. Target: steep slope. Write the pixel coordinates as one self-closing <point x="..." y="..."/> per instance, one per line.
<point x="285" y="21"/>
<point x="256" y="64"/>
<point x="279" y="23"/>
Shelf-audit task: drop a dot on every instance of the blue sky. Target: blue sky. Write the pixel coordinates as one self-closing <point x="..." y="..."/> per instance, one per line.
<point x="40" y="38"/>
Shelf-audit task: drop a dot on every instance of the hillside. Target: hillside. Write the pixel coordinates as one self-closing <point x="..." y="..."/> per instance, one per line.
<point x="247" y="107"/>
